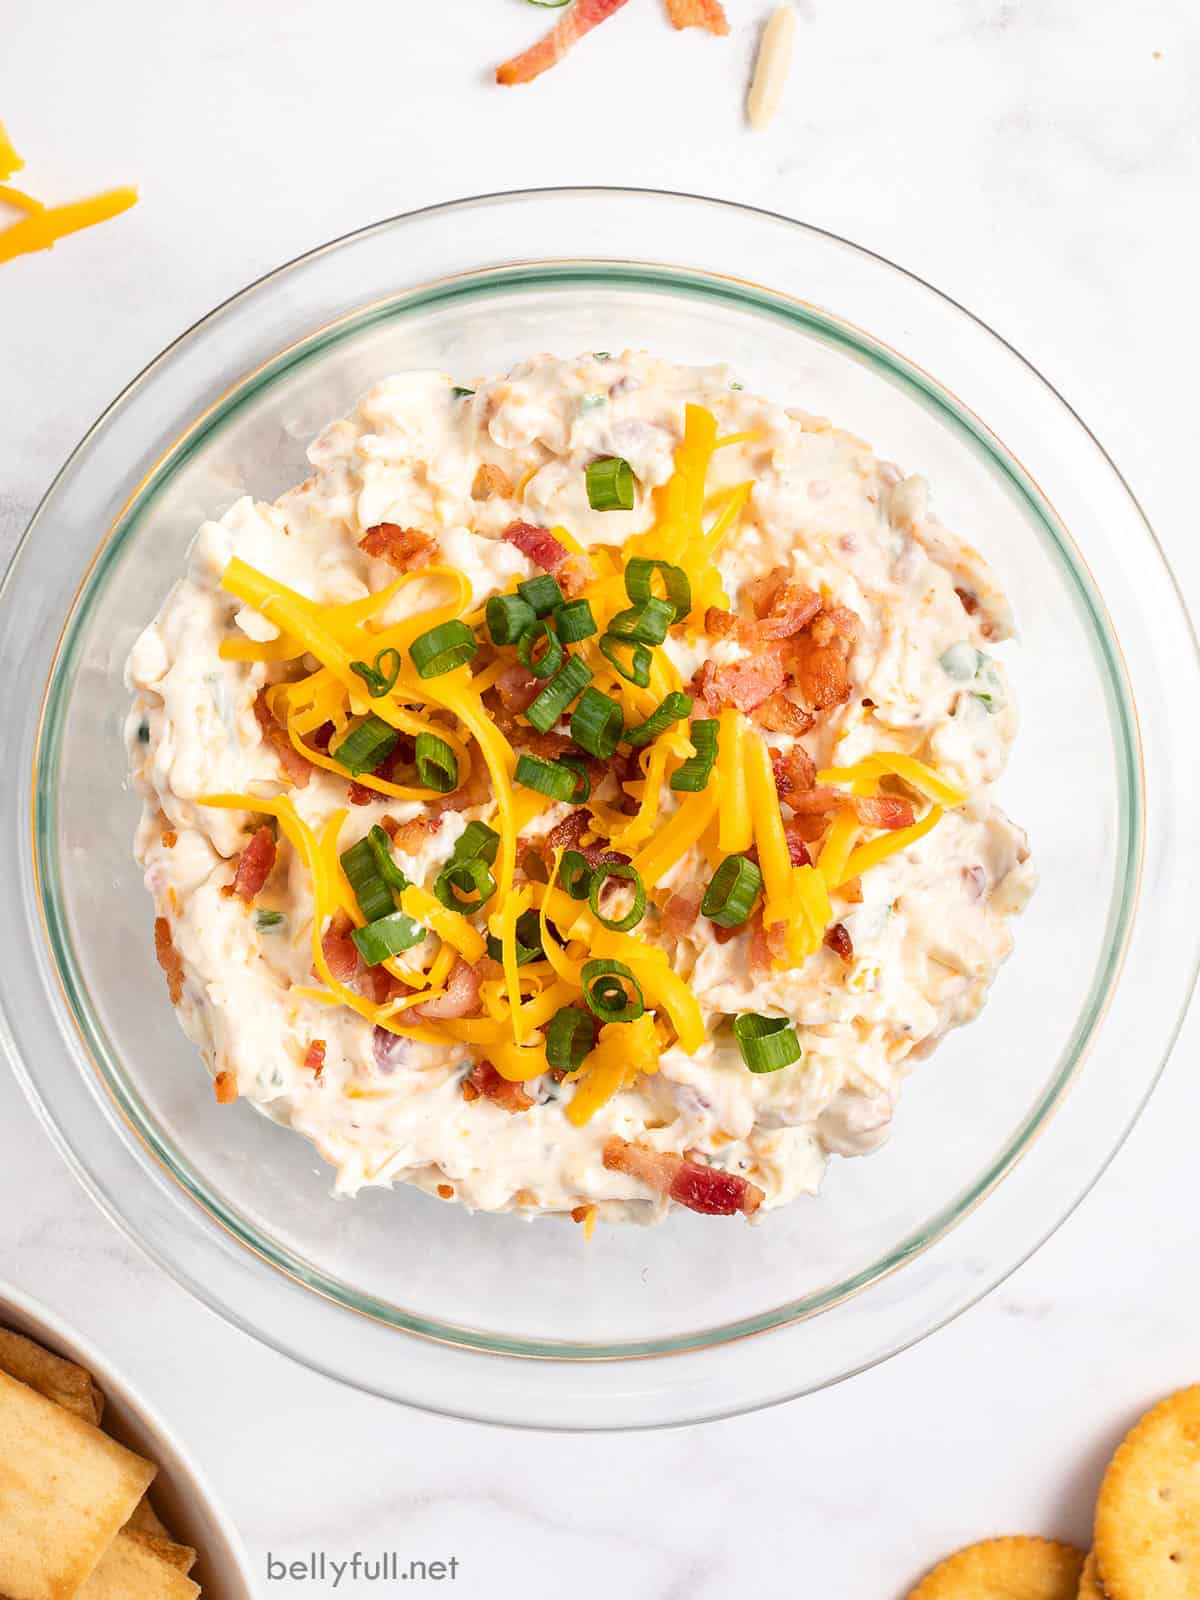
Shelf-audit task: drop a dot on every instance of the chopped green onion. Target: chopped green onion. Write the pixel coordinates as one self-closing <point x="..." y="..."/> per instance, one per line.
<point x="601" y="355"/>
<point x="548" y="707"/>
<point x="625" y="874"/>
<point x="583" y="779"/>
<point x="548" y="5"/>
<point x="371" y="892"/>
<point x="693" y="775"/>
<point x="458" y="392"/>
<point x="473" y="878"/>
<point x="449" y="645"/>
<point x="267" y="919"/>
<point x="381" y="849"/>
<point x="646" y="623"/>
<point x="573" y="620"/>
<point x="365" y="747"/>
<point x="507" y="617"/>
<point x="379" y="679"/>
<point x="639" y="581"/>
<point x="386" y="937"/>
<point x="766" y="1043"/>
<point x="610" y="484"/>
<point x="143" y="732"/>
<point x="541" y="593"/>
<point x="437" y="765"/>
<point x="596" y="724"/>
<point x="569" y="1037"/>
<point x="552" y="778"/>
<point x="529" y="940"/>
<point x="672" y="709"/>
<point x="575" y="874"/>
<point x="638" y="669"/>
<point x="548" y="663"/>
<point x="476" y="840"/>
<point x="611" y="991"/>
<point x="729" y="898"/>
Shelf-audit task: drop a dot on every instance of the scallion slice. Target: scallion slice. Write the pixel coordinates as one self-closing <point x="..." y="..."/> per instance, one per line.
<point x="645" y="623"/>
<point x="381" y="678"/>
<point x="730" y="896"/>
<point x="541" y="593"/>
<point x="366" y="746"/>
<point x="596" y="724"/>
<point x="437" y="765"/>
<point x="465" y="886"/>
<point x="610" y="484"/>
<point x="265" y="920"/>
<point x="387" y="936"/>
<point x="694" y="774"/>
<point x="476" y="840"/>
<point x="449" y="645"/>
<point x="363" y="875"/>
<point x="458" y="391"/>
<point x="622" y="873"/>
<point x="544" y="711"/>
<point x="573" y="620"/>
<point x="677" y="587"/>
<point x="583" y="779"/>
<point x="529" y="940"/>
<point x="569" y="1036"/>
<point x="381" y="849"/>
<point x="553" y="778"/>
<point x="575" y="875"/>
<point x="672" y="709"/>
<point x="637" y="669"/>
<point x="507" y="617"/>
<point x="766" y="1043"/>
<point x="611" y="991"/>
<point x="551" y="658"/>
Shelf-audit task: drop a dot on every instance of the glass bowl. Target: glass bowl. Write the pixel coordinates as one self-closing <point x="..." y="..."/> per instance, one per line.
<point x="485" y="1316"/>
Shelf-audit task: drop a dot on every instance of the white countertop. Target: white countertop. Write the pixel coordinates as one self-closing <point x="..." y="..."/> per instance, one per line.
<point x="1039" y="162"/>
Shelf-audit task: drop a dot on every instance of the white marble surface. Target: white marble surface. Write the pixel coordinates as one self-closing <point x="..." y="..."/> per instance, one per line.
<point x="1039" y="161"/>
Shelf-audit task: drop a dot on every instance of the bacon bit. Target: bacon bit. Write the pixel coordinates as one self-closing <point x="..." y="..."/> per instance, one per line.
<point x="486" y="1081"/>
<point x="460" y="1000"/>
<point x="341" y="953"/>
<point x="410" y="836"/>
<point x="795" y="774"/>
<point x="474" y="792"/>
<point x="169" y="838"/>
<point x="168" y="958"/>
<point x="225" y="1087"/>
<point x="489" y="481"/>
<point x="538" y="544"/>
<point x="445" y="1191"/>
<point x="469" y="1092"/>
<point x="254" y="865"/>
<point x="797" y="845"/>
<point x="783" y="608"/>
<point x="583" y="16"/>
<point x="580" y="1213"/>
<point x="780" y="714"/>
<point x="815" y="802"/>
<point x="838" y="940"/>
<point x="851" y="891"/>
<point x="680" y="912"/>
<point x="719" y="624"/>
<point x="517" y="688"/>
<point x="723" y="935"/>
<point x="295" y="768"/>
<point x="744" y="684"/>
<point x="406" y="549"/>
<point x="383" y="986"/>
<point x="707" y="14"/>
<point x="969" y="603"/>
<point x="360" y="795"/>
<point x="565" y="835"/>
<point x="886" y="811"/>
<point x="314" y="1057"/>
<point x="699" y="1188"/>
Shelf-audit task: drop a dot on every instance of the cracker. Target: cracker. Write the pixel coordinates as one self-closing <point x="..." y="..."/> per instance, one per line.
<point x="1089" y="1580"/>
<point x="61" y="1381"/>
<point x="1006" y="1569"/>
<point x="180" y="1556"/>
<point x="128" y="1571"/>
<point x="145" y="1518"/>
<point x="66" y="1489"/>
<point x="1148" y="1512"/>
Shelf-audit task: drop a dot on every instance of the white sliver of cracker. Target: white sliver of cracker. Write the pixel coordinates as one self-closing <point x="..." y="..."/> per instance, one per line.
<point x="772" y="66"/>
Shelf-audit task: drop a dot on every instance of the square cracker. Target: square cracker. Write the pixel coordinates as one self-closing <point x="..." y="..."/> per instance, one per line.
<point x="66" y="1489"/>
<point x="180" y="1556"/>
<point x="61" y="1381"/>
<point x="130" y="1571"/>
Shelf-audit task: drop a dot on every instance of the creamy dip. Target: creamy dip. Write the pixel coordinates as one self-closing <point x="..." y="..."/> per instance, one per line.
<point x="925" y="929"/>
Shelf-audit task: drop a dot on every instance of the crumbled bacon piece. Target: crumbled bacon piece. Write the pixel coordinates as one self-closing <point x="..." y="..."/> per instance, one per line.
<point x="225" y="1087"/>
<point x="314" y="1057"/>
<point x="169" y="838"/>
<point x="782" y="607"/>
<point x="744" y="684"/>
<point x="517" y="688"/>
<point x="781" y="714"/>
<point x="680" y="912"/>
<point x="475" y="792"/>
<point x="797" y="845"/>
<point x="720" y="624"/>
<point x="565" y="835"/>
<point x="583" y="16"/>
<point x="705" y="1189"/>
<point x="411" y="835"/>
<point x="445" y="1191"/>
<point x="487" y="1082"/>
<point x="340" y="951"/>
<point x="168" y="958"/>
<point x="883" y="811"/>
<point x="815" y="802"/>
<point x="838" y="940"/>
<point x="969" y="603"/>
<point x="490" y="481"/>
<point x="795" y="773"/>
<point x="254" y="865"/>
<point x="360" y="795"/>
<point x="851" y="891"/>
<point x="406" y="549"/>
<point x="295" y="768"/>
<point x="538" y="544"/>
<point x="709" y="14"/>
<point x="460" y="1000"/>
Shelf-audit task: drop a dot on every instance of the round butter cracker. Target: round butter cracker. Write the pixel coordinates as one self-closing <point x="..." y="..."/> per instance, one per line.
<point x="1148" y="1512"/>
<point x="1089" y="1580"/>
<point x="1015" y="1568"/>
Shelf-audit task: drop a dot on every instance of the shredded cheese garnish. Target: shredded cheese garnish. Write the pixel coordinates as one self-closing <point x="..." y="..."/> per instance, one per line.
<point x="43" y="228"/>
